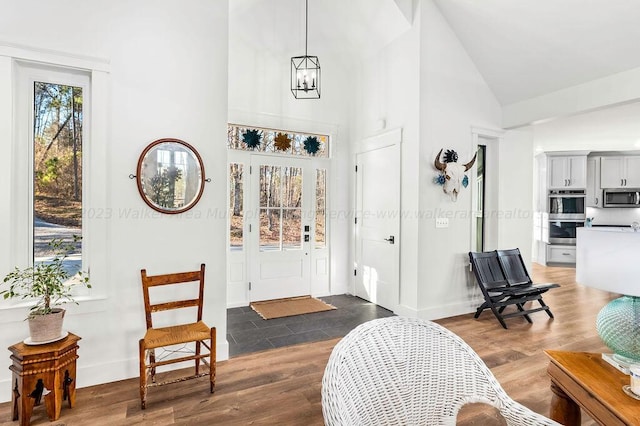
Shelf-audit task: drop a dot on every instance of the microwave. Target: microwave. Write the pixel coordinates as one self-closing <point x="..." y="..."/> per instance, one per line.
<point x="626" y="197"/>
<point x="567" y="204"/>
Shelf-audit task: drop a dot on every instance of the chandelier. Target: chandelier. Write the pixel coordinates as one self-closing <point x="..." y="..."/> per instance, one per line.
<point x="305" y="70"/>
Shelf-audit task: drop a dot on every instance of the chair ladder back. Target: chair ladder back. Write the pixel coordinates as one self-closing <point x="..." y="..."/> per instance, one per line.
<point x="149" y="281"/>
<point x="175" y="343"/>
<point x="513" y="266"/>
<point x="487" y="269"/>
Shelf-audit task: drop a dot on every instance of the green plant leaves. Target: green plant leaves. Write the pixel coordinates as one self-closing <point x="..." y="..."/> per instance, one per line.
<point x="47" y="283"/>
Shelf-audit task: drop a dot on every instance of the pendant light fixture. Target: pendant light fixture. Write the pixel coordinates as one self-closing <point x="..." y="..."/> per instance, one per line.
<point x="305" y="70"/>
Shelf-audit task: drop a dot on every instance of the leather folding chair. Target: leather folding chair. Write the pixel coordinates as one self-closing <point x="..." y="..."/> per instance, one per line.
<point x="504" y="280"/>
<point x="178" y="343"/>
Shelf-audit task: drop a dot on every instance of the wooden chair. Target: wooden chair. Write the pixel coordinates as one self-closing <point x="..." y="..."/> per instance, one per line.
<point x="182" y="335"/>
<point x="504" y="280"/>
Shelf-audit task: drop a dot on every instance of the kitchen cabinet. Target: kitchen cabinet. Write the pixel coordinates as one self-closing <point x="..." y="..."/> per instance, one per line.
<point x="561" y="254"/>
<point x="565" y="172"/>
<point x="620" y="172"/>
<point x="594" y="190"/>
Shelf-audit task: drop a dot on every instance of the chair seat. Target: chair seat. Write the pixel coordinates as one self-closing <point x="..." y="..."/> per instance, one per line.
<point x="516" y="290"/>
<point x="174" y="335"/>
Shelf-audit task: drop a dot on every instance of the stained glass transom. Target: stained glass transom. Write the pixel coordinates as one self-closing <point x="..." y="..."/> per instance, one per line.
<point x="284" y="142"/>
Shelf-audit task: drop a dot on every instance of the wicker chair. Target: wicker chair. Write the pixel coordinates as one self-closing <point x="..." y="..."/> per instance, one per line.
<point x="405" y="371"/>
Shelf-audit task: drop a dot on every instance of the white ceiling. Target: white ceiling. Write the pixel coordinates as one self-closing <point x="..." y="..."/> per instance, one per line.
<point x="523" y="48"/>
<point x="526" y="48"/>
<point x="345" y="28"/>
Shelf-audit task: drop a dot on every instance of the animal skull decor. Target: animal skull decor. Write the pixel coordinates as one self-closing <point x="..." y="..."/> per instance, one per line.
<point x="452" y="174"/>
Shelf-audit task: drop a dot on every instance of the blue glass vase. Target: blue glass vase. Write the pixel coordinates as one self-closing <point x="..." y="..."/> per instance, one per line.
<point x="618" y="325"/>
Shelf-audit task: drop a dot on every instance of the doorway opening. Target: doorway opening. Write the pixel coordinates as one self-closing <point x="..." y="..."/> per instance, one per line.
<point x="277" y="214"/>
<point x="485" y="181"/>
<point x="480" y="204"/>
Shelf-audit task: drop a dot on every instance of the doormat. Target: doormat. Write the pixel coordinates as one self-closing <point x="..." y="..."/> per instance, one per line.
<point x="290" y="306"/>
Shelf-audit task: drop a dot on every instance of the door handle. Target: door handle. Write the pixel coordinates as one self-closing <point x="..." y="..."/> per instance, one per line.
<point x="391" y="239"/>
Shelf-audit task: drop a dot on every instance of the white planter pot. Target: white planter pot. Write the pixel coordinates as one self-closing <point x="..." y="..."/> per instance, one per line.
<point x="47" y="327"/>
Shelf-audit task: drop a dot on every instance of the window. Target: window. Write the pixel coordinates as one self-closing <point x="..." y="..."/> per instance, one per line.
<point x="321" y="208"/>
<point x="258" y="139"/>
<point x="236" y="206"/>
<point x="277" y="199"/>
<point x="57" y="169"/>
<point x="48" y="100"/>
<point x="280" y="208"/>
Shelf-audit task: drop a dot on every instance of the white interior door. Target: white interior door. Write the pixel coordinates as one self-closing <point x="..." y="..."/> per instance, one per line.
<point x="378" y="225"/>
<point x="280" y="227"/>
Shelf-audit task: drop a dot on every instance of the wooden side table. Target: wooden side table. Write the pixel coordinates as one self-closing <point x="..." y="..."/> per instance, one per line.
<point x="43" y="370"/>
<point x="584" y="380"/>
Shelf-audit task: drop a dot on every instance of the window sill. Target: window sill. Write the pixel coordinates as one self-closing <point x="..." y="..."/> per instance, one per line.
<point x="86" y="304"/>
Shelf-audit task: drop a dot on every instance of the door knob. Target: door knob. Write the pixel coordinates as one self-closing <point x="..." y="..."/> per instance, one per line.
<point x="391" y="239"/>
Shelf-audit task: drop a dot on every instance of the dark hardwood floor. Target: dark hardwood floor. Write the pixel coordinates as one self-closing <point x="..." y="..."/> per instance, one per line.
<point x="282" y="386"/>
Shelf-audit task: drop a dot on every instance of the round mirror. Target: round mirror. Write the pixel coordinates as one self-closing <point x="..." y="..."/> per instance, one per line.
<point x="170" y="176"/>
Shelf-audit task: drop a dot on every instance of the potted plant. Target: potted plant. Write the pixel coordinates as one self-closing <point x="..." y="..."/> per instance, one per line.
<point x="48" y="284"/>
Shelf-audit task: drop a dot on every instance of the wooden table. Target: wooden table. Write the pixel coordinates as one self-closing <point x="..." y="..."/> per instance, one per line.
<point x="584" y="380"/>
<point x="43" y="370"/>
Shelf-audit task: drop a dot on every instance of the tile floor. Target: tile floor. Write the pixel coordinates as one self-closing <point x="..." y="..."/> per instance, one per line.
<point x="248" y="332"/>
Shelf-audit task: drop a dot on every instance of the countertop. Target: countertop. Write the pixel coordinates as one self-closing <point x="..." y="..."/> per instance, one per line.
<point x="609" y="228"/>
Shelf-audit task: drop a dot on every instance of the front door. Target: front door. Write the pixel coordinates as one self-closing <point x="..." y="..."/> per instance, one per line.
<point x="378" y="222"/>
<point x="281" y="227"/>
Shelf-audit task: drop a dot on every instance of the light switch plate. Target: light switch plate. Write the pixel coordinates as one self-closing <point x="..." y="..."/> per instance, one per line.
<point x="442" y="222"/>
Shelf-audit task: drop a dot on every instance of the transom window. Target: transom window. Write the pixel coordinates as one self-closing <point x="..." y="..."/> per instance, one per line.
<point x="260" y="139"/>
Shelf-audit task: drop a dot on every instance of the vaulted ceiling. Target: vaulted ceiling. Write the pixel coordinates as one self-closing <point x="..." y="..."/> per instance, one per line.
<point x="522" y="48"/>
<point x="526" y="48"/>
<point x="346" y="28"/>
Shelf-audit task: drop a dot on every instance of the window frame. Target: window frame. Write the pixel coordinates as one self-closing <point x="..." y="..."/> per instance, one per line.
<point x="22" y="199"/>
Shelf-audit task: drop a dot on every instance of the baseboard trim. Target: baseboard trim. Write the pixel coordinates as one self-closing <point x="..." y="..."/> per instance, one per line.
<point x="450" y="310"/>
<point x="406" y="311"/>
<point x="108" y="372"/>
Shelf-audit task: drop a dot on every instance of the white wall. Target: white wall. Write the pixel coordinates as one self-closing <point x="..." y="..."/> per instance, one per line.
<point x="425" y="83"/>
<point x="516" y="192"/>
<point x="453" y="99"/>
<point x="387" y="85"/>
<point x="167" y="77"/>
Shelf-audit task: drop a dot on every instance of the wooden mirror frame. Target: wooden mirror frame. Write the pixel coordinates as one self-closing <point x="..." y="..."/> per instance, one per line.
<point x="142" y="179"/>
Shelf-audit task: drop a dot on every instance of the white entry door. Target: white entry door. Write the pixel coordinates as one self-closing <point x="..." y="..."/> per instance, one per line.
<point x="378" y="222"/>
<point x="281" y="227"/>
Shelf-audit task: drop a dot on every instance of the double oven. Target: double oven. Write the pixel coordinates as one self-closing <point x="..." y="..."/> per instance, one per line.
<point x="567" y="213"/>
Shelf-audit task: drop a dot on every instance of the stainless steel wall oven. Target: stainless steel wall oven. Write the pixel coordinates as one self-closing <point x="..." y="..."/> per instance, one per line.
<point x="567" y="204"/>
<point x="564" y="231"/>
